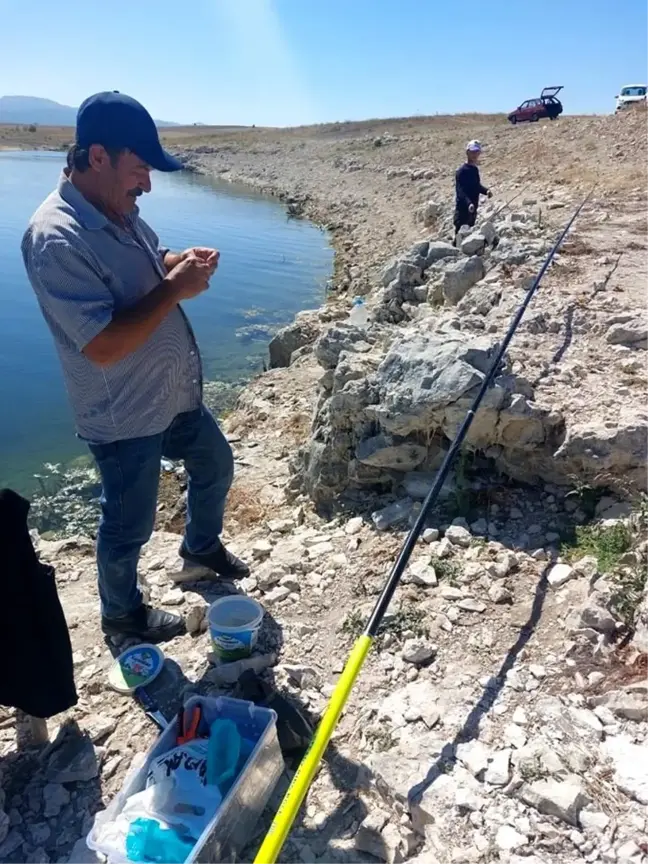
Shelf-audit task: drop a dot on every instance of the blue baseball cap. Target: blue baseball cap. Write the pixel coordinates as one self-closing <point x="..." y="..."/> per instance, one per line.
<point x="118" y="121"/>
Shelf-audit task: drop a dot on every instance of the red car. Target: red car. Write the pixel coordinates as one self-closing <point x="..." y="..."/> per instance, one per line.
<point x="533" y="109"/>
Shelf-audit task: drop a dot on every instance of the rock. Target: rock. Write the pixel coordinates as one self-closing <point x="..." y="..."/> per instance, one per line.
<point x="195" y="618"/>
<point x="417" y="484"/>
<point x="632" y="333"/>
<point x="261" y="550"/>
<point x="488" y="231"/>
<point x="499" y="594"/>
<point x="415" y="701"/>
<point x="515" y="736"/>
<point x="80" y="854"/>
<point x="55" y="797"/>
<point x="630" y="764"/>
<point x="474" y="244"/>
<point x="369" y="837"/>
<point x="73" y="758"/>
<point x="402" y="273"/>
<point x="429" y="213"/>
<point x="640" y="638"/>
<point x="508" y="839"/>
<point x="303" y="331"/>
<point x="475" y="756"/>
<point x="39" y="832"/>
<point x="458" y="536"/>
<point x="422" y="573"/>
<point x="629" y="704"/>
<point x="499" y="770"/>
<point x="418" y="652"/>
<point x="336" y="340"/>
<point x="438" y="250"/>
<point x="470" y="604"/>
<point x="450" y="592"/>
<point x="38" y="856"/>
<point x="564" y="800"/>
<point x="537" y="757"/>
<point x="354" y="525"/>
<point x="173" y="597"/>
<point x="459" y="278"/>
<point x="381" y="452"/>
<point x="393" y="514"/>
<point x="429" y="535"/>
<point x="276" y="595"/>
<point x="597" y="618"/>
<point x="4" y="826"/>
<point x="559" y="574"/>
<point x="305" y="677"/>
<point x="592" y="820"/>
<point x="13" y="841"/>
<point x="629" y="853"/>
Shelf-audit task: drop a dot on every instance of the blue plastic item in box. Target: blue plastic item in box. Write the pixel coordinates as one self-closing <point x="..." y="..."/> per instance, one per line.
<point x="223" y="752"/>
<point x="147" y="840"/>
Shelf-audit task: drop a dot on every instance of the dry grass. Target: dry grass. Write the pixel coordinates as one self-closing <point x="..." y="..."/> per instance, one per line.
<point x="245" y="506"/>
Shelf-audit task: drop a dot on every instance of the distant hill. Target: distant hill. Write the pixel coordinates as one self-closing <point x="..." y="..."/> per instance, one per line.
<point x="43" y="112"/>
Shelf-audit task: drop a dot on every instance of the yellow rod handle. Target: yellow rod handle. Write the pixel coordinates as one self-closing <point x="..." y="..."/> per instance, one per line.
<point x="285" y="816"/>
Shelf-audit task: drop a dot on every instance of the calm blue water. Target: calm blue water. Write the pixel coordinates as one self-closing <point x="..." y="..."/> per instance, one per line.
<point x="270" y="268"/>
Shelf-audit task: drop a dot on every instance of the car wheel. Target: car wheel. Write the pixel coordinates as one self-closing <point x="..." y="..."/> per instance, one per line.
<point x="534" y="118"/>
<point x="513" y="119"/>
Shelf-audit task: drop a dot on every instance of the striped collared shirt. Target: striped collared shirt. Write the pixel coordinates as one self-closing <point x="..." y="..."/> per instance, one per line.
<point x="84" y="269"/>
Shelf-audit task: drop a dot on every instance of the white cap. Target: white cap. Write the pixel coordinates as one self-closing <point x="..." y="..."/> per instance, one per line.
<point x="474" y="146"/>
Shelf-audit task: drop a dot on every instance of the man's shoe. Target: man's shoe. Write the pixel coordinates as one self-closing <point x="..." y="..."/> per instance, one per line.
<point x="222" y="562"/>
<point x="145" y="623"/>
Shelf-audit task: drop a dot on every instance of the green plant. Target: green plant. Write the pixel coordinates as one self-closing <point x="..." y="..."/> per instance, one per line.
<point x="353" y="624"/>
<point x="629" y="585"/>
<point x="447" y="569"/>
<point x="408" y="618"/>
<point x="606" y="544"/>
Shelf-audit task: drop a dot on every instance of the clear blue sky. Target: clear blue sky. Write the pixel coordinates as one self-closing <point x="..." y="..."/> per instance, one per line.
<point x="284" y="62"/>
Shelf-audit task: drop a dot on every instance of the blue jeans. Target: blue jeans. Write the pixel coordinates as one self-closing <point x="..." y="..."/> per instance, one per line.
<point x="130" y="473"/>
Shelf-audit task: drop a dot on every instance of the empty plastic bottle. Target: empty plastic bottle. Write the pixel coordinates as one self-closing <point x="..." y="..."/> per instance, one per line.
<point x="359" y="315"/>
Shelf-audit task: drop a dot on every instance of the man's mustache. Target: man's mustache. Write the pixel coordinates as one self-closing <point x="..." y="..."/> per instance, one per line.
<point x="135" y="193"/>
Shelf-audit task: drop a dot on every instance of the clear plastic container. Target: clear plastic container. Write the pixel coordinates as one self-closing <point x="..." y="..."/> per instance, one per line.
<point x="233" y="824"/>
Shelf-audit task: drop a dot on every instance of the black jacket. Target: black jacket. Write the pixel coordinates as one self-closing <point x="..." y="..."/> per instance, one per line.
<point x="468" y="186"/>
<point x="36" y="671"/>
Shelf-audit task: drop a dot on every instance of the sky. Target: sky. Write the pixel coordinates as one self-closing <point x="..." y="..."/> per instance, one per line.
<point x="292" y="62"/>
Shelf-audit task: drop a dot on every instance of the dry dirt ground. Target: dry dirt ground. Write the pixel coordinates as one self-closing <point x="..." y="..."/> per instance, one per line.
<point x="502" y="716"/>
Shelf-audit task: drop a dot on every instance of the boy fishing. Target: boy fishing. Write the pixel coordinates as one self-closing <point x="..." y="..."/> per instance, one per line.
<point x="468" y="188"/>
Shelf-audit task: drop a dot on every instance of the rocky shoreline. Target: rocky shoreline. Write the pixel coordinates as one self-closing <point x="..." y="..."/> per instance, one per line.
<point x="502" y="715"/>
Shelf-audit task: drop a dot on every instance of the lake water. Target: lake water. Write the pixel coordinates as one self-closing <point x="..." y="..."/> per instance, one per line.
<point x="270" y="268"/>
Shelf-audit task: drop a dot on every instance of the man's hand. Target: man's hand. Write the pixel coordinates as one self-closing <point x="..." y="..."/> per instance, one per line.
<point x="471" y="208"/>
<point x="204" y="254"/>
<point x="191" y="275"/>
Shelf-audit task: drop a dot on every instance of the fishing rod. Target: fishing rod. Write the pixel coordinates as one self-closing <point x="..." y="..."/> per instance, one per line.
<point x="285" y="816"/>
<point x="510" y="201"/>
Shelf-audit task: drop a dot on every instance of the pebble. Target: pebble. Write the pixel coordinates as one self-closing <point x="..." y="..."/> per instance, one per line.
<point x="458" y="536"/>
<point x="559" y="574"/>
<point x="354" y="525"/>
<point x="470" y="604"/>
<point x="430" y="535"/>
<point x="509" y="839"/>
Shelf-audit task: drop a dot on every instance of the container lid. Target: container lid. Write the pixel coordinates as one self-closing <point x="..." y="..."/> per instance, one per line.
<point x="136" y="667"/>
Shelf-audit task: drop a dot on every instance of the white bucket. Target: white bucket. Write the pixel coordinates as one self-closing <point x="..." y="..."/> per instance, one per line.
<point x="234" y="623"/>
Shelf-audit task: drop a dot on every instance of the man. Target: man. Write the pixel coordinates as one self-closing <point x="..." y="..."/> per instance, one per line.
<point x="110" y="295"/>
<point x="468" y="188"/>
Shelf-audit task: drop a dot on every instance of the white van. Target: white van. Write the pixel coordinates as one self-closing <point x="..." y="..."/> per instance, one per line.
<point x="630" y="95"/>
